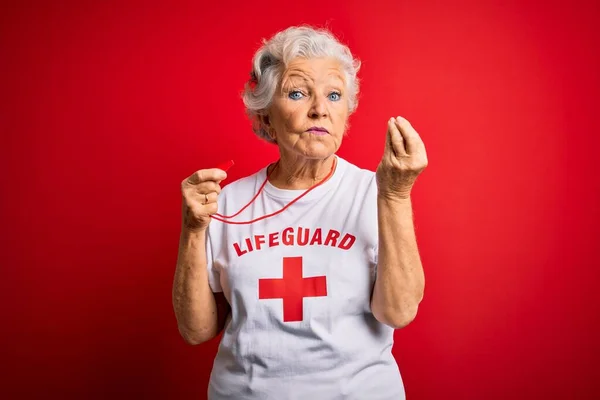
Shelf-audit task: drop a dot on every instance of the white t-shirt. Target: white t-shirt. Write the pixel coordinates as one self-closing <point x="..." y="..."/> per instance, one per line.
<point x="299" y="285"/>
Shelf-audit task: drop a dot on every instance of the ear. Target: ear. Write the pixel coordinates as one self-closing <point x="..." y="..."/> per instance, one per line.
<point x="264" y="119"/>
<point x="266" y="123"/>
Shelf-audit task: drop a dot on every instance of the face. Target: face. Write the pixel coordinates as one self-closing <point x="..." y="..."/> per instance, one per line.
<point x="309" y="112"/>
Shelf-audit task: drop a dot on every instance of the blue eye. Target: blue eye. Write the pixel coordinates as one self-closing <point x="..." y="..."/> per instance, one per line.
<point x="335" y="96"/>
<point x="295" y="95"/>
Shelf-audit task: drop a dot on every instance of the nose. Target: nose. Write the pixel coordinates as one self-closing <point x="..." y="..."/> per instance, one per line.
<point x="318" y="107"/>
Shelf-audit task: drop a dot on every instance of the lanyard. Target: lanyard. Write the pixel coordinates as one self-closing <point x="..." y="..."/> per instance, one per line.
<point x="223" y="218"/>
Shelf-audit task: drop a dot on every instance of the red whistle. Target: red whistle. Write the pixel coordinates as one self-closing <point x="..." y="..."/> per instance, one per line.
<point x="226" y="165"/>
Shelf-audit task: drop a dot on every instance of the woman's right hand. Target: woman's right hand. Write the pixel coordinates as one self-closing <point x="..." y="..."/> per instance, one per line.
<point x="199" y="197"/>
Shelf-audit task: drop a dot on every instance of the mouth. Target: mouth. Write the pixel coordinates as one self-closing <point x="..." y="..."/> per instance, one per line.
<point x="315" y="130"/>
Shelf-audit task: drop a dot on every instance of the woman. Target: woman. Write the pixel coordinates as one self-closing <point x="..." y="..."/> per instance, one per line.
<point x="312" y="262"/>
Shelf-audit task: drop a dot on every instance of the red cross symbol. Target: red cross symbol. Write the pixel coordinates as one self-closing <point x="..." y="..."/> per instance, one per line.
<point x="292" y="288"/>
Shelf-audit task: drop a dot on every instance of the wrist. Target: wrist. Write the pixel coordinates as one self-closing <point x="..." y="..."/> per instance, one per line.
<point x="192" y="232"/>
<point x="394" y="199"/>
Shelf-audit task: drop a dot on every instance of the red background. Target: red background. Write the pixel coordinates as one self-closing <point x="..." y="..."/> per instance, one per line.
<point x="107" y="106"/>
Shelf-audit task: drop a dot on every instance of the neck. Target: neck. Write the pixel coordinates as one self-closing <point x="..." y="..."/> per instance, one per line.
<point x="299" y="173"/>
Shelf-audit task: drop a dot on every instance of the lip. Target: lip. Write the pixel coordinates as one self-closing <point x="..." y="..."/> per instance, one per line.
<point x="318" y="130"/>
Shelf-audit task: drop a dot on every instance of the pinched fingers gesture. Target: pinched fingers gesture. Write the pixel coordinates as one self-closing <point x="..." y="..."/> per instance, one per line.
<point x="199" y="197"/>
<point x="404" y="158"/>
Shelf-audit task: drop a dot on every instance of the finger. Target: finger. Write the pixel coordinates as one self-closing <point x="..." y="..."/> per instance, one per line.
<point x="204" y="198"/>
<point x="397" y="140"/>
<point x="209" y="198"/>
<point x="200" y="209"/>
<point x="388" y="140"/>
<point x="207" y="187"/>
<point x="201" y="188"/>
<point x="412" y="140"/>
<point x="212" y="174"/>
<point x="388" y="143"/>
<point x="211" y="208"/>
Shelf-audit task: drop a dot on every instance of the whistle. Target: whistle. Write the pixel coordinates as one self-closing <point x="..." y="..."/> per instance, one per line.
<point x="226" y="165"/>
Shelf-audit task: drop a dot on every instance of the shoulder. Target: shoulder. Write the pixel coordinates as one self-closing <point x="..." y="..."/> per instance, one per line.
<point x="357" y="176"/>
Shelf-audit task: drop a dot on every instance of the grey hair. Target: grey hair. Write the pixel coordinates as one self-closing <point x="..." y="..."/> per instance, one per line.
<point x="277" y="52"/>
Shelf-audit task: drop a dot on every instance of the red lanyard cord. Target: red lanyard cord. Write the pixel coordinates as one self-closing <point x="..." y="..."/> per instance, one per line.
<point x="222" y="218"/>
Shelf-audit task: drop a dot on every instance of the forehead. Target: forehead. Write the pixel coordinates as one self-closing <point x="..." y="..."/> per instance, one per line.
<point x="314" y="69"/>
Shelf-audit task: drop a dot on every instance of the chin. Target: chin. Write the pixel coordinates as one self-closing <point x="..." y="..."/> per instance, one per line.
<point x="318" y="152"/>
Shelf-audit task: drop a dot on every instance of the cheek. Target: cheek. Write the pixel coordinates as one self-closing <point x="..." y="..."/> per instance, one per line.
<point x="293" y="117"/>
<point x="279" y="117"/>
<point x="340" y="109"/>
<point x="341" y="117"/>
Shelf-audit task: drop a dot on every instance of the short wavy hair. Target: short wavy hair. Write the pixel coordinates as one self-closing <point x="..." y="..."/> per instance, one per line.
<point x="275" y="54"/>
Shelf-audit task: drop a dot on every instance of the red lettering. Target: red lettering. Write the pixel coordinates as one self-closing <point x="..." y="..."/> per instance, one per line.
<point x="316" y="239"/>
<point x="302" y="241"/>
<point x="332" y="236"/>
<point x="301" y="237"/>
<point x="258" y="240"/>
<point x="238" y="250"/>
<point x="347" y="241"/>
<point x="273" y="239"/>
<point x="288" y="236"/>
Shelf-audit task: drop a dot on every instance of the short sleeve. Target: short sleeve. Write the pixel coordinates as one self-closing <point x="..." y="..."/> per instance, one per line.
<point x="371" y="212"/>
<point x="213" y="273"/>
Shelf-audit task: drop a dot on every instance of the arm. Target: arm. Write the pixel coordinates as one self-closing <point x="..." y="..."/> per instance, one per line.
<point x="200" y="313"/>
<point x="400" y="279"/>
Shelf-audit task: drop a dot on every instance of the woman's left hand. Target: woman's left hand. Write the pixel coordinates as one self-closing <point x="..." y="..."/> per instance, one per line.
<point x="404" y="158"/>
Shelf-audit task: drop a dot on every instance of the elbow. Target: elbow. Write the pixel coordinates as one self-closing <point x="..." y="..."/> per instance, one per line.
<point x="191" y="340"/>
<point x="194" y="338"/>
<point x="402" y="320"/>
<point x="397" y="317"/>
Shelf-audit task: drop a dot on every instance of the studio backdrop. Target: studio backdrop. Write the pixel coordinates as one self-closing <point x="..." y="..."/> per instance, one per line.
<point x="106" y="106"/>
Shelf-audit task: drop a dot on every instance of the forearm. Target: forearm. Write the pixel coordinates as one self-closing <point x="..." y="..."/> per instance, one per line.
<point x="193" y="301"/>
<point x="400" y="279"/>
